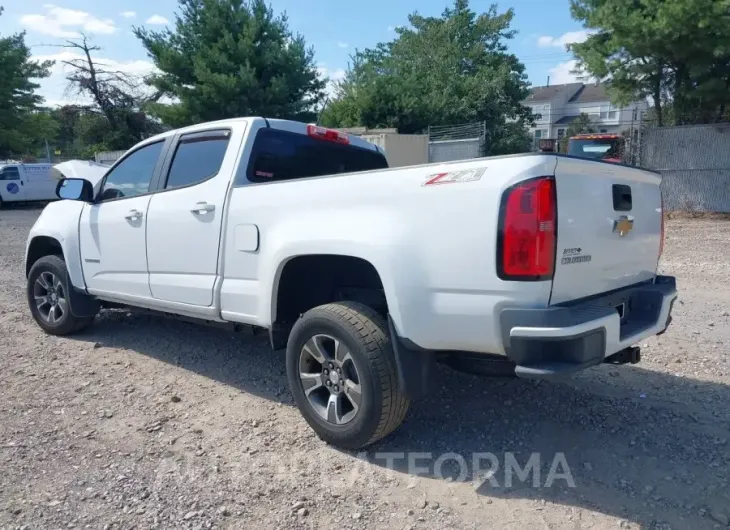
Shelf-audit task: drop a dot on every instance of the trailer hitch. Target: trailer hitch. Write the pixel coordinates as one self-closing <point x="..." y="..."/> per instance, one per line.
<point x="630" y="355"/>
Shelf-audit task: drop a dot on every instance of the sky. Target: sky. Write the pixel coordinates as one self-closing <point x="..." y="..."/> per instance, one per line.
<point x="335" y="28"/>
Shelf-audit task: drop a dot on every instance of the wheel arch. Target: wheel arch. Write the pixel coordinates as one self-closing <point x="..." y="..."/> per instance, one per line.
<point x="58" y="226"/>
<point x="333" y="270"/>
<point x="40" y="246"/>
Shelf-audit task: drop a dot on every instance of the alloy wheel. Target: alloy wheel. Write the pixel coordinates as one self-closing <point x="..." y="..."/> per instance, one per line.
<point x="330" y="379"/>
<point x="50" y="297"/>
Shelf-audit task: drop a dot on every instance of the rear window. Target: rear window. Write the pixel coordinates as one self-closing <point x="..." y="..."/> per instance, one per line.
<point x="595" y="149"/>
<point x="283" y="155"/>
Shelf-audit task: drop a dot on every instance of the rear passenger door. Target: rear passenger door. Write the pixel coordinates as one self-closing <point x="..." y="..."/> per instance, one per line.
<point x="185" y="216"/>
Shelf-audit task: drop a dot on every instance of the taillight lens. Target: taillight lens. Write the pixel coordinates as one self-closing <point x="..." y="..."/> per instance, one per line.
<point x="661" y="242"/>
<point x="527" y="231"/>
<point x="331" y="135"/>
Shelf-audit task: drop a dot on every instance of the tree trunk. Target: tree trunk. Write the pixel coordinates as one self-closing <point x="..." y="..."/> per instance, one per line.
<point x="657" y="97"/>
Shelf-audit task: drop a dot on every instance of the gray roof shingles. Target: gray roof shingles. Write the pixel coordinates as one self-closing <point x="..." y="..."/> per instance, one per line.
<point x="574" y="92"/>
<point x="546" y="93"/>
<point x="590" y="94"/>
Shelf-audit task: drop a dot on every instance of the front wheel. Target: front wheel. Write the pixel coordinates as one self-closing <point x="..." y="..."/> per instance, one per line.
<point x="342" y="374"/>
<point x="48" y="298"/>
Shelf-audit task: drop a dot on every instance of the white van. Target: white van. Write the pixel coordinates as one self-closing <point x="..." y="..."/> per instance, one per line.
<point x="27" y="182"/>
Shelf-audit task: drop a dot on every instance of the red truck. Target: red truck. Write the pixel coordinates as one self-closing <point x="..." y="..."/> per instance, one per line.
<point x="601" y="146"/>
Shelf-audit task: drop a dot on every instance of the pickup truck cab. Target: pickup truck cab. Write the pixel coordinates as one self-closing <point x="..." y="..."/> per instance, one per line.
<point x="531" y="265"/>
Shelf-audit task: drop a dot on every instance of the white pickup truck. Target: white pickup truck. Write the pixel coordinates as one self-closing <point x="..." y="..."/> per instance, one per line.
<point x="533" y="265"/>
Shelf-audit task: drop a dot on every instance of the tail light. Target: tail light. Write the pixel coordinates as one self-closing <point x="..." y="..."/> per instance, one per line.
<point x="331" y="135"/>
<point x="661" y="242"/>
<point x="527" y="231"/>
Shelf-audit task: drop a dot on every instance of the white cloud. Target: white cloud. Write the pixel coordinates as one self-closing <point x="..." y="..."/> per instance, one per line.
<point x="55" y="87"/>
<point x="342" y="44"/>
<point x="563" y="40"/>
<point x="334" y="76"/>
<point x="66" y="23"/>
<point x="157" y="20"/>
<point x="128" y="14"/>
<point x="563" y="73"/>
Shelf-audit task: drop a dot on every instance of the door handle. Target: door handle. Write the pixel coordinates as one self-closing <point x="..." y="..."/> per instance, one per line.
<point x="203" y="207"/>
<point x="133" y="215"/>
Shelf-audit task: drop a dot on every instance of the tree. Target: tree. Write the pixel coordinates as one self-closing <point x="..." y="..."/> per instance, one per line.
<point x="583" y="124"/>
<point x="116" y="117"/>
<point x="675" y="52"/>
<point x="439" y="71"/>
<point x="21" y="118"/>
<point x="229" y="58"/>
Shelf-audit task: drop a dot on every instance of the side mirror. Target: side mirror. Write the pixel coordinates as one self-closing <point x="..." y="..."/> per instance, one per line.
<point x="75" y="190"/>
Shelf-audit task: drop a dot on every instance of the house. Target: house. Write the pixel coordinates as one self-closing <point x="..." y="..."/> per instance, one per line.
<point x="557" y="106"/>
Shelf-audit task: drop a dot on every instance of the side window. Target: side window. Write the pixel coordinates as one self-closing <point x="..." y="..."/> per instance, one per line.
<point x="133" y="174"/>
<point x="10" y="173"/>
<point x="198" y="157"/>
<point x="283" y="155"/>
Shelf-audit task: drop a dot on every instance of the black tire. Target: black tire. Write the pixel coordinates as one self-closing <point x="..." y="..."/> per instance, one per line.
<point x="384" y="406"/>
<point x="67" y="323"/>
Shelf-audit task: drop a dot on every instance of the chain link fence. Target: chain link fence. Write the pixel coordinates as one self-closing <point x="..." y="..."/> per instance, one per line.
<point x="694" y="161"/>
<point x="456" y="142"/>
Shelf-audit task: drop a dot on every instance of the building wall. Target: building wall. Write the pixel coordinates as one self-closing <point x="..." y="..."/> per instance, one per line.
<point x="607" y="117"/>
<point x="401" y="149"/>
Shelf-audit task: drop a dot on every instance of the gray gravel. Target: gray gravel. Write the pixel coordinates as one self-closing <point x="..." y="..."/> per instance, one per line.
<point x="144" y="422"/>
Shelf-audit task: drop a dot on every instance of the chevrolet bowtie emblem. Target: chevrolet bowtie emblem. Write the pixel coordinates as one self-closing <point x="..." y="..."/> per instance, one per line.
<point x="622" y="225"/>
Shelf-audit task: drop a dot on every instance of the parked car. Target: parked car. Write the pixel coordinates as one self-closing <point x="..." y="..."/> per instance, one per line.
<point x="539" y="265"/>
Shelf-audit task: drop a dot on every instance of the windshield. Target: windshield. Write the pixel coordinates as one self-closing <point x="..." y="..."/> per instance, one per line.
<point x="596" y="149"/>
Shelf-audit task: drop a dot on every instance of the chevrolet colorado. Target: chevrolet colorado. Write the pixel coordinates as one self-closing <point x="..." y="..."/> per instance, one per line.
<point x="535" y="265"/>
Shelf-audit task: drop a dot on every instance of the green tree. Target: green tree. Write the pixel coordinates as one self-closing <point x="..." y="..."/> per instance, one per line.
<point x="439" y="71"/>
<point x="21" y="118"/>
<point x="675" y="52"/>
<point x="581" y="125"/>
<point x="229" y="58"/>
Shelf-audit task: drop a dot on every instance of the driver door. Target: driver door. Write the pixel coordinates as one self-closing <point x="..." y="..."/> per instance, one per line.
<point x="113" y="228"/>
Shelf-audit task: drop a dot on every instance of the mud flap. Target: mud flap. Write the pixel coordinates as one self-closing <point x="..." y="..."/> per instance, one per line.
<point x="415" y="365"/>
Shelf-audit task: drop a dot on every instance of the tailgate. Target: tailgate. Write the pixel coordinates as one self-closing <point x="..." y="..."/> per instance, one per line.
<point x="609" y="228"/>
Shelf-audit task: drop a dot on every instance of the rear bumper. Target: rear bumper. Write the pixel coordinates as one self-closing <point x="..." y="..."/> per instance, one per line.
<point x="560" y="340"/>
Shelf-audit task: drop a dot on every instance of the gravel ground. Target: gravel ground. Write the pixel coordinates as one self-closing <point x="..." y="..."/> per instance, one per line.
<point x="144" y="422"/>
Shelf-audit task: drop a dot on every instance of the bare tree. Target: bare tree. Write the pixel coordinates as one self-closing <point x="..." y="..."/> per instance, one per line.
<point x="112" y="90"/>
<point x="118" y="96"/>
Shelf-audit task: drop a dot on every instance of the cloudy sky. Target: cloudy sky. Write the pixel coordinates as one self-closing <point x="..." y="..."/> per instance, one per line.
<point x="335" y="29"/>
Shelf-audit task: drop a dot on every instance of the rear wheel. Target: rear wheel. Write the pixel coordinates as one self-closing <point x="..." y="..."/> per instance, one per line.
<point x="342" y="374"/>
<point x="48" y="298"/>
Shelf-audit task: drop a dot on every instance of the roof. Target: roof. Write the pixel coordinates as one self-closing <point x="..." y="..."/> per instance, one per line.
<point x="597" y="136"/>
<point x="566" y="120"/>
<point x="573" y="92"/>
<point x="547" y="93"/>
<point x="590" y="94"/>
<point x="286" y="125"/>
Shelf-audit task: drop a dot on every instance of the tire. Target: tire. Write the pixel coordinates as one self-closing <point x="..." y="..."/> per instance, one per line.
<point x="363" y="332"/>
<point x="64" y="322"/>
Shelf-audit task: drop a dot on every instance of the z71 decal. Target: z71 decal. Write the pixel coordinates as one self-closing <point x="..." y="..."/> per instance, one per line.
<point x="454" y="177"/>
